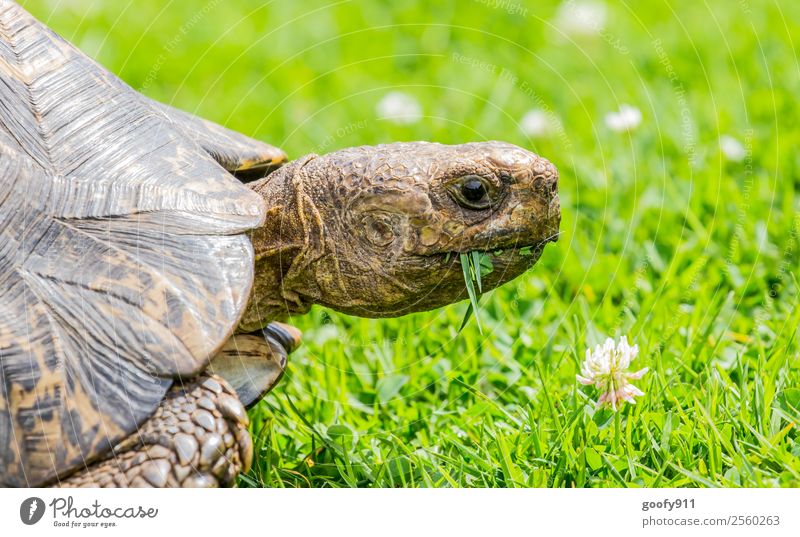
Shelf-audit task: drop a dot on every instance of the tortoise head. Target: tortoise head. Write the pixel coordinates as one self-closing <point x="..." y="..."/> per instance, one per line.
<point x="377" y="231"/>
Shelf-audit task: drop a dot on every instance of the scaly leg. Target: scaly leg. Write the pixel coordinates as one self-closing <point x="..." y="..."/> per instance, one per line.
<point x="197" y="438"/>
<point x="198" y="435"/>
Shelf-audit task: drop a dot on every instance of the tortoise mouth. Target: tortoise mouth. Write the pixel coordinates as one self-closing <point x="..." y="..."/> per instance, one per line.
<point x="515" y="251"/>
<point x="506" y="265"/>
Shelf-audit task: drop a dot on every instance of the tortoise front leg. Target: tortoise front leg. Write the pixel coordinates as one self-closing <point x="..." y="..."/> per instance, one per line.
<point x="198" y="435"/>
<point x="197" y="438"/>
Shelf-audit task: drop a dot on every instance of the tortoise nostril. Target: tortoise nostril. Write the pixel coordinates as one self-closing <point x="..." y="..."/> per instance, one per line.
<point x="553" y="185"/>
<point x="546" y="185"/>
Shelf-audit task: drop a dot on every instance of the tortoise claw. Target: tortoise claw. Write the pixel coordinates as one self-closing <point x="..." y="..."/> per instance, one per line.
<point x="254" y="363"/>
<point x="287" y="335"/>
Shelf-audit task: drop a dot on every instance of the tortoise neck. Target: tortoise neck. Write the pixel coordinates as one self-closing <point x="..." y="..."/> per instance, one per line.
<point x="285" y="245"/>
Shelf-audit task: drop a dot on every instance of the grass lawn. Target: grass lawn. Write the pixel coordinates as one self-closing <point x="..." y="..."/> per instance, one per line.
<point x="691" y="254"/>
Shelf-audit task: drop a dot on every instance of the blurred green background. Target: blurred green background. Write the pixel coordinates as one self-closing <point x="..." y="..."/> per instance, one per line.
<point x="687" y="245"/>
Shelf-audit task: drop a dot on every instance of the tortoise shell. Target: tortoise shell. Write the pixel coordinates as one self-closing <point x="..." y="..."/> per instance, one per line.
<point x="123" y="260"/>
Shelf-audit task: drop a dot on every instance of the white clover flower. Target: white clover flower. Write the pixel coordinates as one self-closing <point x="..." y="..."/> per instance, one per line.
<point x="732" y="148"/>
<point x="399" y="107"/>
<point x="606" y="368"/>
<point x="626" y="119"/>
<point x="535" y="123"/>
<point x="581" y="18"/>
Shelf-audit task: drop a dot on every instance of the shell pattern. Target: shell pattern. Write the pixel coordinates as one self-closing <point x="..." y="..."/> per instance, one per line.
<point x="123" y="258"/>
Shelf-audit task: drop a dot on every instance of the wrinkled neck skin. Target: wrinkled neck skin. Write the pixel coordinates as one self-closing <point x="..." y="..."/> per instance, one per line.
<point x="290" y="240"/>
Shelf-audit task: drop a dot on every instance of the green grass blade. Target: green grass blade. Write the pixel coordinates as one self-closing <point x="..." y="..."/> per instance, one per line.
<point x="467" y="315"/>
<point x="473" y="297"/>
<point x="475" y="265"/>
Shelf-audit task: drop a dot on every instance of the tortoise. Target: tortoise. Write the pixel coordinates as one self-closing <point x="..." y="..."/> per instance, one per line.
<point x="149" y="256"/>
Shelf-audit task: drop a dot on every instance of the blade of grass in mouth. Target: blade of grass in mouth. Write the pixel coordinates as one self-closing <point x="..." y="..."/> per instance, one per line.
<point x="466" y="267"/>
<point x="474" y="265"/>
<point x="476" y="269"/>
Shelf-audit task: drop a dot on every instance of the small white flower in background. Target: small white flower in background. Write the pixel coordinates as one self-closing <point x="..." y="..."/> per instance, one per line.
<point x="626" y="119"/>
<point x="732" y="148"/>
<point x="535" y="123"/>
<point x="581" y="18"/>
<point x="399" y="107"/>
<point x="606" y="368"/>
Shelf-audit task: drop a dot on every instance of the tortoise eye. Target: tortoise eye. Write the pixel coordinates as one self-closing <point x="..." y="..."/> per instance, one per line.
<point x="471" y="192"/>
